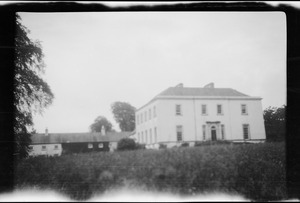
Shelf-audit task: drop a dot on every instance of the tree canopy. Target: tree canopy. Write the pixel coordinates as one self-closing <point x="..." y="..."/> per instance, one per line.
<point x="124" y="114"/>
<point x="32" y="93"/>
<point x="275" y="123"/>
<point x="99" y="122"/>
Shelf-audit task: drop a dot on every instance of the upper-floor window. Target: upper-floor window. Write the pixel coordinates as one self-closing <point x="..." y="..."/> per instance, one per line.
<point x="141" y="116"/>
<point x="223" y="131"/>
<point x="246" y="131"/>
<point x="43" y="148"/>
<point x="154" y="111"/>
<point x="203" y="109"/>
<point x="219" y="109"/>
<point x="178" y="109"/>
<point x="204" y="131"/>
<point x="244" y="109"/>
<point x="150" y="114"/>
<point x="179" y="132"/>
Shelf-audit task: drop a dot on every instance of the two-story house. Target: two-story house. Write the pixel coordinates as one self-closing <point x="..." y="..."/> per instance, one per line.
<point x="188" y="115"/>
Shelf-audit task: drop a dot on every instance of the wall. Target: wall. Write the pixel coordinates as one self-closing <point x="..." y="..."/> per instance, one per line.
<point x="50" y="150"/>
<point x="192" y="119"/>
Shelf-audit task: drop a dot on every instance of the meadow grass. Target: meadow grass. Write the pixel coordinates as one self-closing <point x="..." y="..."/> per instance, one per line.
<point x="255" y="171"/>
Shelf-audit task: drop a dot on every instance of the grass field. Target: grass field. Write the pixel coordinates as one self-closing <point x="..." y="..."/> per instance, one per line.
<point x="255" y="171"/>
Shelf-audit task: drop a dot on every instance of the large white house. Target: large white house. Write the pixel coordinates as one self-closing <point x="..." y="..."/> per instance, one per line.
<point x="188" y="115"/>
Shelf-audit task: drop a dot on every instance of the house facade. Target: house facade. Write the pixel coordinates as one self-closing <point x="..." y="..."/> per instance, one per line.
<point x="56" y="144"/>
<point x="188" y="115"/>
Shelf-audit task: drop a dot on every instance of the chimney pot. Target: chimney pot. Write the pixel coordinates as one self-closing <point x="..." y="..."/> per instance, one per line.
<point x="103" y="130"/>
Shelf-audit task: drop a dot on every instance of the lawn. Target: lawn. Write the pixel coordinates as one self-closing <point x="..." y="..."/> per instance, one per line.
<point x="255" y="171"/>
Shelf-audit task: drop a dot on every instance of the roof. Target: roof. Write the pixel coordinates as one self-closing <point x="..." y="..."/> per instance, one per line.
<point x="195" y="91"/>
<point x="208" y="91"/>
<point x="53" y="138"/>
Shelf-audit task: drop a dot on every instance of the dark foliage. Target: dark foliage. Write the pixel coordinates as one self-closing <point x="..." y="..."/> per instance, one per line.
<point x="124" y="114"/>
<point x="126" y="144"/>
<point x="99" y="122"/>
<point x="31" y="92"/>
<point x="275" y="123"/>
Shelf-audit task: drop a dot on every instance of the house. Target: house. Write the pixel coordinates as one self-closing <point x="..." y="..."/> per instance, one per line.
<point x="55" y="144"/>
<point x="190" y="114"/>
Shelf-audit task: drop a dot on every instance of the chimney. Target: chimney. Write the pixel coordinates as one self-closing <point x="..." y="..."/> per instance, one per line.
<point x="210" y="85"/>
<point x="103" y="130"/>
<point x="179" y="85"/>
<point x="46" y="132"/>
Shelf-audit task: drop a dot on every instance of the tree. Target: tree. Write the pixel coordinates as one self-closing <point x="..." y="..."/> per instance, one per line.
<point x="275" y="123"/>
<point x="31" y="92"/>
<point x="99" y="122"/>
<point x="126" y="144"/>
<point x="124" y="114"/>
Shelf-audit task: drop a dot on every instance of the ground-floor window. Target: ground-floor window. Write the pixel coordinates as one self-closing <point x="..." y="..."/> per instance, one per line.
<point x="146" y="135"/>
<point x="100" y="145"/>
<point x="43" y="148"/>
<point x="56" y="147"/>
<point x="246" y="131"/>
<point x="204" y="132"/>
<point x="90" y="145"/>
<point x="223" y="131"/>
<point x="155" y="135"/>
<point x="150" y="131"/>
<point x="179" y="132"/>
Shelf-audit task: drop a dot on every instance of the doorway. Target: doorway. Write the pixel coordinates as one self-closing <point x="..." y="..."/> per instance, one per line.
<point x="213" y="133"/>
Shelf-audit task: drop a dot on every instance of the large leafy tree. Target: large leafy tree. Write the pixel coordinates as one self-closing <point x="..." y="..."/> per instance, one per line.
<point x="32" y="94"/>
<point x="99" y="122"/>
<point x="275" y="123"/>
<point x="124" y="114"/>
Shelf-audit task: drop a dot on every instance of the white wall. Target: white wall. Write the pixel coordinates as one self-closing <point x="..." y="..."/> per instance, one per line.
<point x="192" y="119"/>
<point x="50" y="150"/>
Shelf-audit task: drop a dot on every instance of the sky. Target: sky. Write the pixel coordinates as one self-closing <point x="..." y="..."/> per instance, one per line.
<point x="96" y="58"/>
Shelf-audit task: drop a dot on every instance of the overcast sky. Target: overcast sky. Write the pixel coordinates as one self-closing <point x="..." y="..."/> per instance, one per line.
<point x="94" y="59"/>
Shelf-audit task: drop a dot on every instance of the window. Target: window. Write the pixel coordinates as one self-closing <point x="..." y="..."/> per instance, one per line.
<point x="31" y="147"/>
<point x="56" y="147"/>
<point x="146" y="135"/>
<point x="150" y="114"/>
<point x="204" y="131"/>
<point x="154" y="111"/>
<point x="179" y="132"/>
<point x="244" y="109"/>
<point x="155" y="135"/>
<point x="43" y="148"/>
<point x="223" y="131"/>
<point x="138" y="137"/>
<point x="145" y="116"/>
<point x="100" y="145"/>
<point x="141" y="117"/>
<point x="178" y="109"/>
<point x="142" y="137"/>
<point x="204" y="111"/>
<point x="150" y="132"/>
<point x="246" y="131"/>
<point x="219" y="109"/>
<point x="90" y="145"/>
<point x="137" y="119"/>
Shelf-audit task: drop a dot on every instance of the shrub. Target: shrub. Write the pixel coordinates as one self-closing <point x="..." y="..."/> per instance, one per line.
<point x="126" y="144"/>
<point x="162" y="146"/>
<point x="185" y="144"/>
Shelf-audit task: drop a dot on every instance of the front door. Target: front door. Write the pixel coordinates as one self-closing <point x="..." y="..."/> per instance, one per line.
<point x="213" y="133"/>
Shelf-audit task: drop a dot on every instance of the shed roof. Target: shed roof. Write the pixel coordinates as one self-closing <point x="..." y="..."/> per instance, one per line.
<point x="53" y="138"/>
